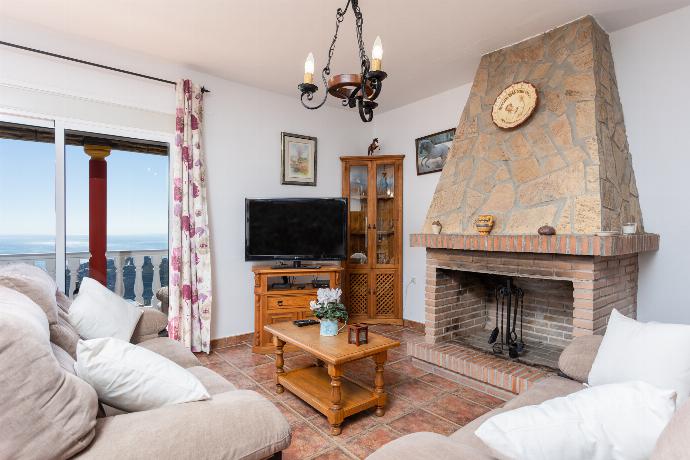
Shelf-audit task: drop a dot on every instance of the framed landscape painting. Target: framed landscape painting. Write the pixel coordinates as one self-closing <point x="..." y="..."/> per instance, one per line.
<point x="432" y="151"/>
<point x="298" y="159"/>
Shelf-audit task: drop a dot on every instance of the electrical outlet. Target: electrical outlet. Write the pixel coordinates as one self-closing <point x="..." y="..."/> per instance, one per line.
<point x="413" y="280"/>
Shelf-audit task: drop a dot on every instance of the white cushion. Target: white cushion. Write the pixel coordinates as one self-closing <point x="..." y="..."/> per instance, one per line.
<point x="34" y="283"/>
<point x="655" y="353"/>
<point x="97" y="312"/>
<point x="617" y="421"/>
<point x="132" y="378"/>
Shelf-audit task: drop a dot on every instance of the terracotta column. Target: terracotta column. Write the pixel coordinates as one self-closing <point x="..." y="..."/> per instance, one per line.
<point x="98" y="211"/>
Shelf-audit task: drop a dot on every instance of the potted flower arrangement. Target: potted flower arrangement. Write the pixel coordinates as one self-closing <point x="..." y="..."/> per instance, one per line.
<point x="328" y="308"/>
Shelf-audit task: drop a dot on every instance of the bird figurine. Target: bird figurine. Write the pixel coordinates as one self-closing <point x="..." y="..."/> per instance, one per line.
<point x="373" y="147"/>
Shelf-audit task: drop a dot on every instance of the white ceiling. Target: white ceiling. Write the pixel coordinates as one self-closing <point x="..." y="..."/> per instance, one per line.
<point x="429" y="45"/>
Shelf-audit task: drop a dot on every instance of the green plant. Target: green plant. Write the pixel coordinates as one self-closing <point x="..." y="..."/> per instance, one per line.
<point x="328" y="305"/>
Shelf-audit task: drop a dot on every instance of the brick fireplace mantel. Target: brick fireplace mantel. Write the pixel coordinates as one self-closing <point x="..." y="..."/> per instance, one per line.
<point x="582" y="245"/>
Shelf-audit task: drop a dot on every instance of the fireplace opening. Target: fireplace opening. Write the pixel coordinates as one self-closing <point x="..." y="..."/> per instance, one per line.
<point x="538" y="331"/>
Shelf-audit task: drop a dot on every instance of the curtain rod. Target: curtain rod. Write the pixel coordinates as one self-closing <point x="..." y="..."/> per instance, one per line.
<point x="93" y="64"/>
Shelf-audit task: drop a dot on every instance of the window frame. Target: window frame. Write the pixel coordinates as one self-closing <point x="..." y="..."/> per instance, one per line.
<point x="60" y="125"/>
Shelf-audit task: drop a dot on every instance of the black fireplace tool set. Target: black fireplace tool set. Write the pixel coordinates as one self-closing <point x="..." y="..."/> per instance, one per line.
<point x="510" y="299"/>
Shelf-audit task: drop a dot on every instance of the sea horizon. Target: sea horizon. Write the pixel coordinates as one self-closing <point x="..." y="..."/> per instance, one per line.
<point x="45" y="244"/>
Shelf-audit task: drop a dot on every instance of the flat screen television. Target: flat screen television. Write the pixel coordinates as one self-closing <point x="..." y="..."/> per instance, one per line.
<point x="295" y="229"/>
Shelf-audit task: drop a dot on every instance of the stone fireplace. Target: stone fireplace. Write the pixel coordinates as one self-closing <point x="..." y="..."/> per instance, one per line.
<point x="569" y="167"/>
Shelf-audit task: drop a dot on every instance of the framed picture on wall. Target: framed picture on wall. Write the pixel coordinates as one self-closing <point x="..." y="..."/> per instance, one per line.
<point x="298" y="159"/>
<point x="432" y="151"/>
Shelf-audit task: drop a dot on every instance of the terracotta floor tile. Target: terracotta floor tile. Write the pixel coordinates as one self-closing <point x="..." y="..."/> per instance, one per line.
<point x="240" y="380"/>
<point x="296" y="404"/>
<point x="234" y="351"/>
<point x="479" y="397"/>
<point x="262" y="373"/>
<point x="306" y="442"/>
<point x="334" y="454"/>
<point x="416" y="391"/>
<point x="222" y="368"/>
<point x="291" y="416"/>
<point x="457" y="409"/>
<point x="421" y="420"/>
<point x="247" y="361"/>
<point x="396" y="354"/>
<point x="352" y="425"/>
<point x="205" y="359"/>
<point x="440" y="382"/>
<point x="395" y="407"/>
<point x="407" y="368"/>
<point x="297" y="362"/>
<point x="363" y="445"/>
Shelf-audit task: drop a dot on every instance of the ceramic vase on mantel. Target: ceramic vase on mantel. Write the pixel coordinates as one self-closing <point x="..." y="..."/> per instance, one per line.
<point x="329" y="327"/>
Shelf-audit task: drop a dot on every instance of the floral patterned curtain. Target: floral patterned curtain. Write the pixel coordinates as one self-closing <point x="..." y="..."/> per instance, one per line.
<point x="189" y="316"/>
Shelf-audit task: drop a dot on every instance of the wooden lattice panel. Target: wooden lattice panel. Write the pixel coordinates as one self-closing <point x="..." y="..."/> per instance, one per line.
<point x="385" y="294"/>
<point x="359" y="293"/>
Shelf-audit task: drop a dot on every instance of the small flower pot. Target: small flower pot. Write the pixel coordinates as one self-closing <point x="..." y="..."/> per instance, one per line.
<point x="436" y="228"/>
<point x="329" y="327"/>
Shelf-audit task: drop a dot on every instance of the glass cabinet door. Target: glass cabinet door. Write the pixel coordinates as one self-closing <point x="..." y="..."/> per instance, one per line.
<point x="358" y="218"/>
<point x="386" y="215"/>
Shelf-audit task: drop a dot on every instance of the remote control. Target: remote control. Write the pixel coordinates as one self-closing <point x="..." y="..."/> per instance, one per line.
<point x="304" y="322"/>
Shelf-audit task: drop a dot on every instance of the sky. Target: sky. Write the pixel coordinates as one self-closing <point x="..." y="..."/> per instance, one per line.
<point x="137" y="190"/>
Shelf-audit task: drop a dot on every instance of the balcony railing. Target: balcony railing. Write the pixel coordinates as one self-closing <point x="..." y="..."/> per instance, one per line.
<point x="134" y="275"/>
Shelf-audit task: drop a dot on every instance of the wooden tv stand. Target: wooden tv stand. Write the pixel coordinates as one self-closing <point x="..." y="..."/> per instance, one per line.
<point x="278" y="305"/>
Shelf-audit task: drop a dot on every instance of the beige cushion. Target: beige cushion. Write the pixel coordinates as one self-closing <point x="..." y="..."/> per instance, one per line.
<point x="238" y="425"/>
<point x="64" y="336"/>
<point x="214" y="383"/>
<point x="428" y="446"/>
<point x="150" y="324"/>
<point x="577" y="358"/>
<point x="162" y="295"/>
<point x="674" y="442"/>
<point x="63" y="302"/>
<point x="44" y="411"/>
<point x="63" y="358"/>
<point x="34" y="283"/>
<point x="172" y="350"/>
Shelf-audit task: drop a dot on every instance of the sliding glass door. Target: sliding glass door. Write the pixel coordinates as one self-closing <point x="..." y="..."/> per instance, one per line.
<point x="27" y="195"/>
<point x="59" y="209"/>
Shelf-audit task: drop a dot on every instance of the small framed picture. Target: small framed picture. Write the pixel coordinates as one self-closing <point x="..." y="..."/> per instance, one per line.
<point x="298" y="159"/>
<point x="432" y="151"/>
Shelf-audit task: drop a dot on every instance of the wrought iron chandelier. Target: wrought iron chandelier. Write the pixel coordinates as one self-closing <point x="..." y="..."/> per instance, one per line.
<point x="356" y="90"/>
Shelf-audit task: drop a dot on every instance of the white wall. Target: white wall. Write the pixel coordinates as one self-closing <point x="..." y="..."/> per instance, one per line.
<point x="652" y="67"/>
<point x="241" y="132"/>
<point x="397" y="131"/>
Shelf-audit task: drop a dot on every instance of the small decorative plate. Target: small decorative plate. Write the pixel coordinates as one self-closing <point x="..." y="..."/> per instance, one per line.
<point x="607" y="233"/>
<point x="514" y="105"/>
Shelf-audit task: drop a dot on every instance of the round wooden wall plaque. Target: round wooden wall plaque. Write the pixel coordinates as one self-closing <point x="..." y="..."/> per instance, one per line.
<point x="514" y="105"/>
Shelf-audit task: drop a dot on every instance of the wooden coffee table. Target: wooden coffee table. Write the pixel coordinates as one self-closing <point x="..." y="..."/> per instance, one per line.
<point x="323" y="385"/>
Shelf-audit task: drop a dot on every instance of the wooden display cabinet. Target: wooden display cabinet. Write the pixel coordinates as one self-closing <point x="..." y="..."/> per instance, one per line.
<point x="278" y="305"/>
<point x="372" y="281"/>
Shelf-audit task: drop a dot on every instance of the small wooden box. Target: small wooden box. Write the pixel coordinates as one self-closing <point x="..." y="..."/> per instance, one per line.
<point x="358" y="334"/>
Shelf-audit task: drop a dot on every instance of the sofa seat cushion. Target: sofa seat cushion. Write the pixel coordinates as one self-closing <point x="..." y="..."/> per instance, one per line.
<point x="44" y="411"/>
<point x="427" y="446"/>
<point x="63" y="334"/>
<point x="214" y="383"/>
<point x="550" y="387"/>
<point x="34" y="283"/>
<point x="171" y="349"/>
<point x="238" y="425"/>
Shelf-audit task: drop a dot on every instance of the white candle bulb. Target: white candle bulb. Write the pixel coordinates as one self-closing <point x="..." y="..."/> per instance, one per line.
<point x="377" y="50"/>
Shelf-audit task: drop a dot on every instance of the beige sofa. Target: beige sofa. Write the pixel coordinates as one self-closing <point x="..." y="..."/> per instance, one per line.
<point x="574" y="363"/>
<point x="48" y="412"/>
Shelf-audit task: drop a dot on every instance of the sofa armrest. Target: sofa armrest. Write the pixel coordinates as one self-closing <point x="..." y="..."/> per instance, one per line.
<point x="428" y="446"/>
<point x="577" y="358"/>
<point x="238" y="424"/>
<point x="150" y="324"/>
